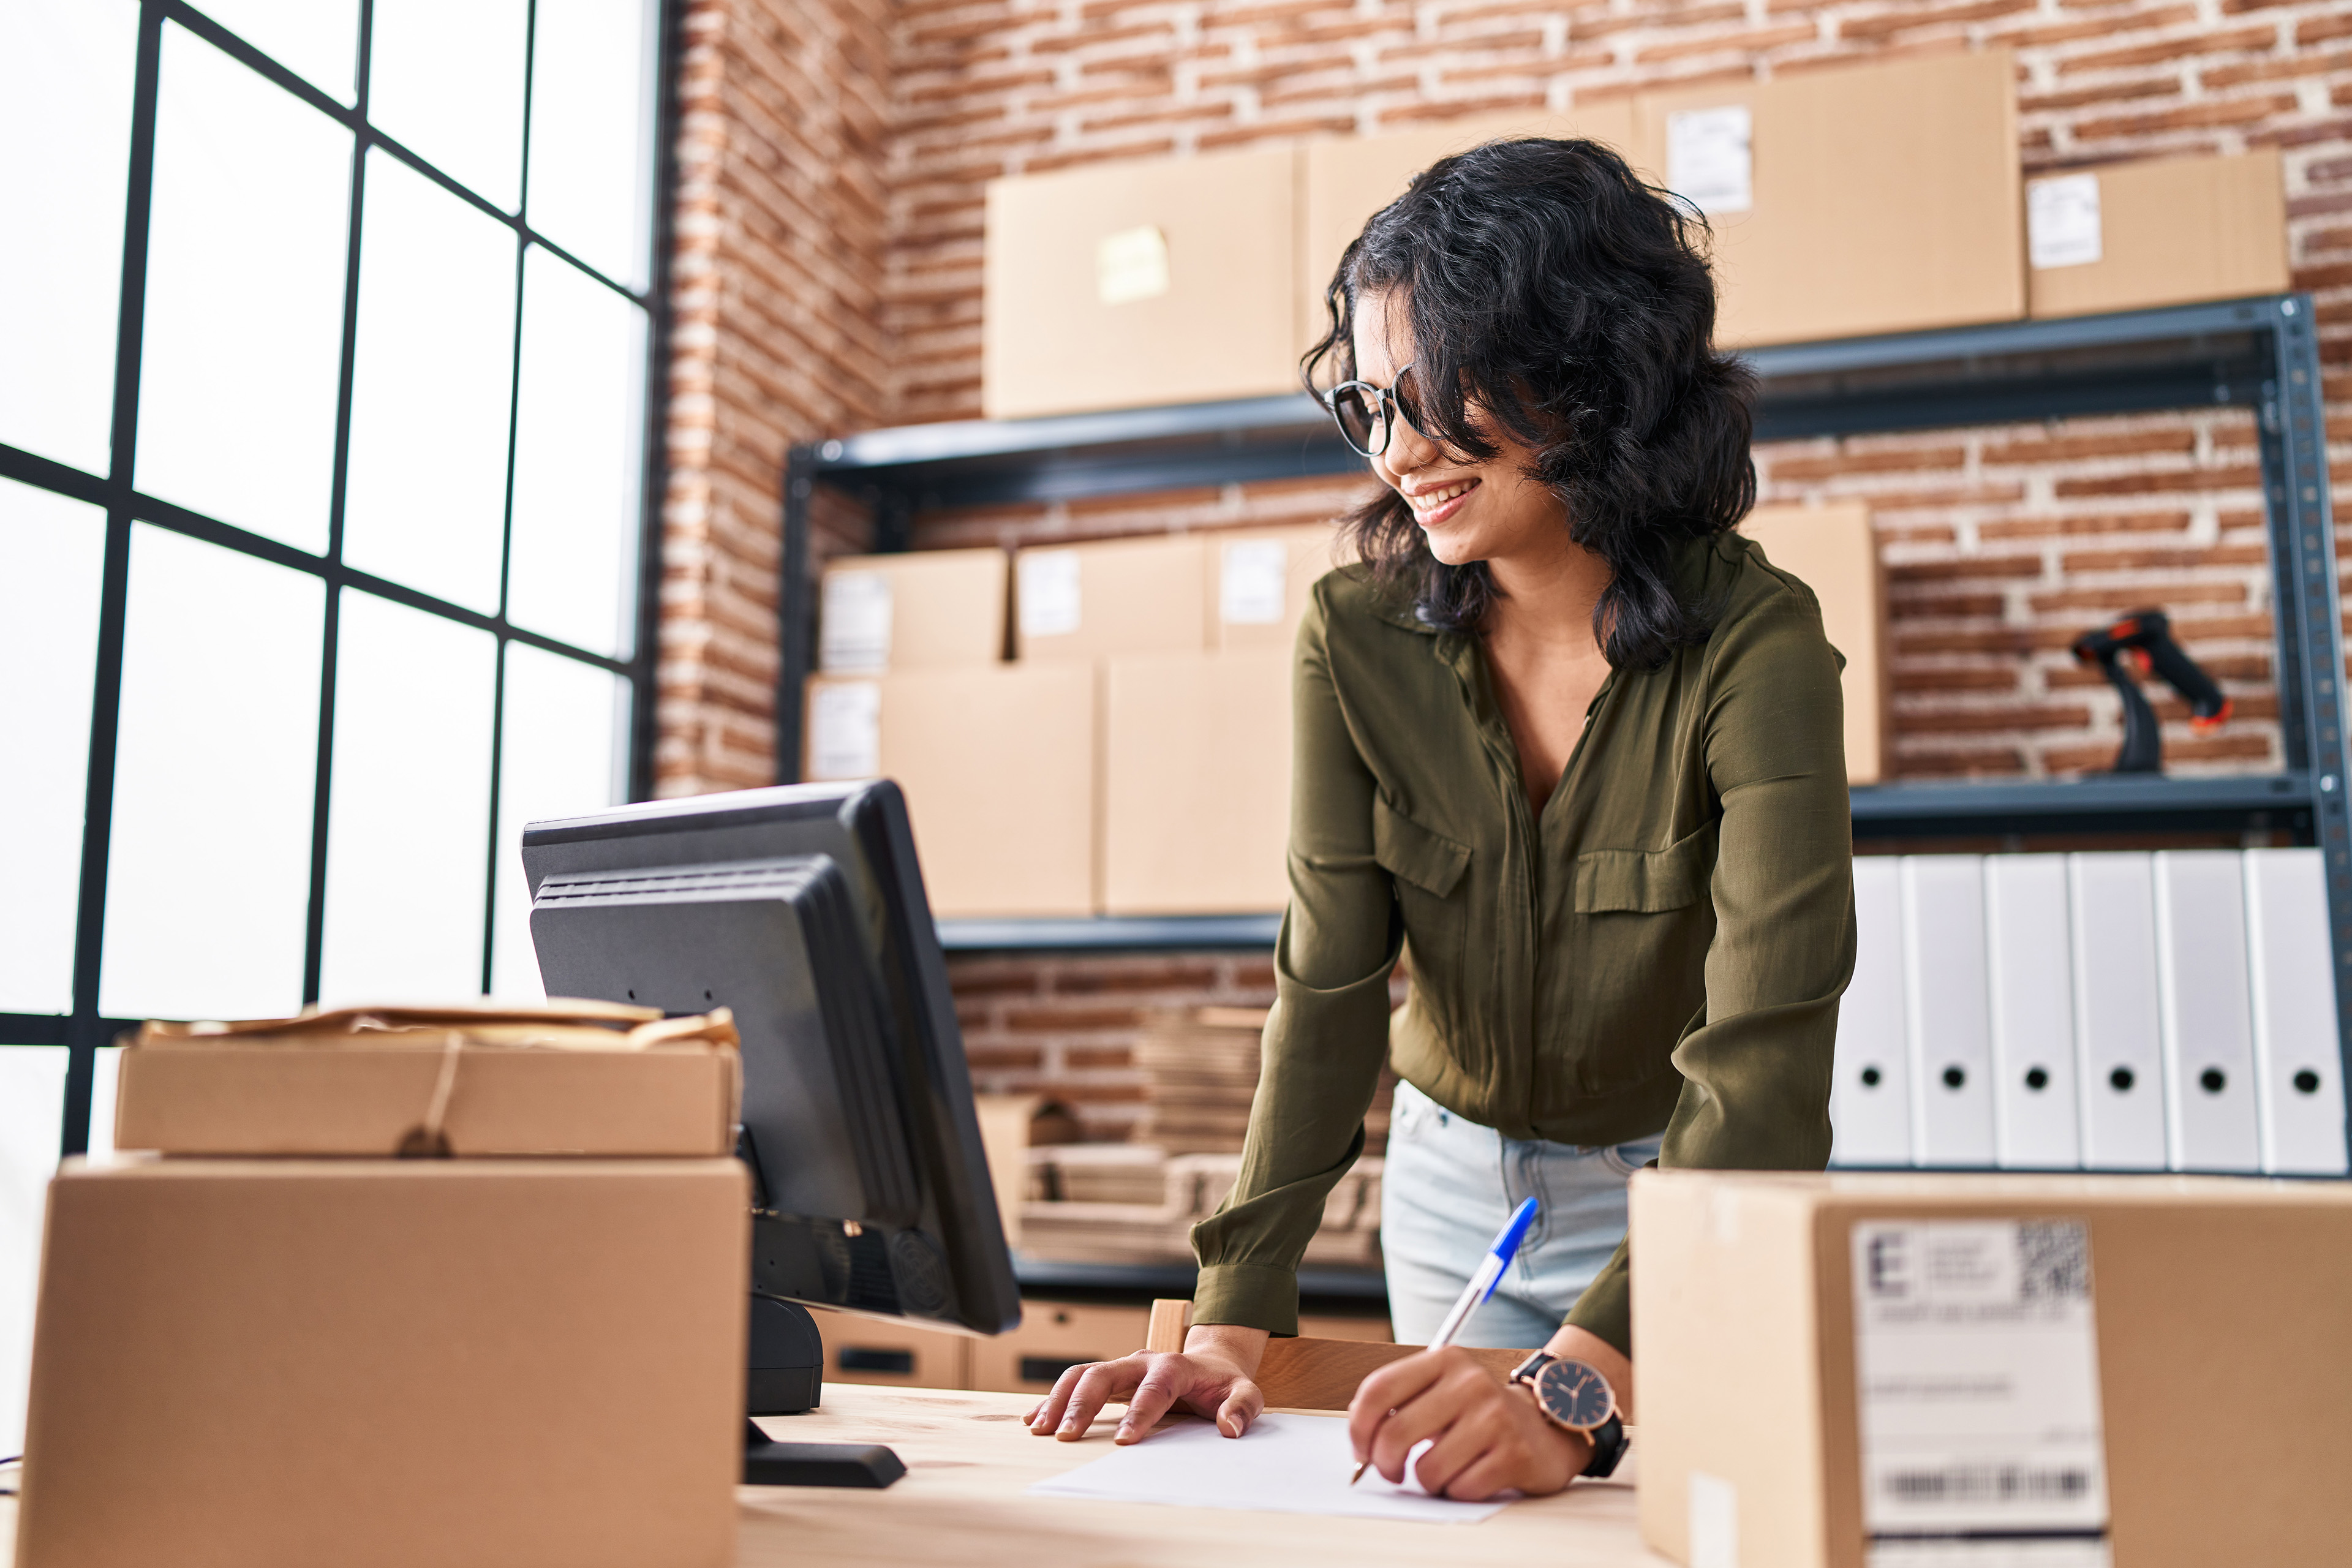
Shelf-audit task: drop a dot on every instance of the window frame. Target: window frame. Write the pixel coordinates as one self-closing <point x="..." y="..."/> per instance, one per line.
<point x="84" y="1031"/>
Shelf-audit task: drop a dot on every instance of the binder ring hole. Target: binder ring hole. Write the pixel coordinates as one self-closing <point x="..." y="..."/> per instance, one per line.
<point x="2036" y="1079"/>
<point x="2307" y="1082"/>
<point x="2121" y="1080"/>
<point x="2212" y="1081"/>
<point x="1870" y="1077"/>
<point x="1955" y="1077"/>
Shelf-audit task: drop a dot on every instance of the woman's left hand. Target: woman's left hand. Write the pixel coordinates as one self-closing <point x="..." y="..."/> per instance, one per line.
<point x="1488" y="1436"/>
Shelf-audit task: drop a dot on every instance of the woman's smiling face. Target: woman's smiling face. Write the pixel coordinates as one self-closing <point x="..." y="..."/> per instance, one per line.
<point x="1469" y="508"/>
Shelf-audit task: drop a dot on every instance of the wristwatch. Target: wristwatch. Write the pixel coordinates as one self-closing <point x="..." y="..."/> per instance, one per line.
<point x="1575" y="1397"/>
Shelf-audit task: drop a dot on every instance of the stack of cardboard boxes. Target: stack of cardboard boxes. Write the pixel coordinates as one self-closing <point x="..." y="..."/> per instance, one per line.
<point x="1133" y="757"/>
<point x="1850" y="202"/>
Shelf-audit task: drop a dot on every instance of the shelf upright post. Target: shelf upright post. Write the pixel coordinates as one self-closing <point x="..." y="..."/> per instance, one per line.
<point x="2310" y="627"/>
<point x="796" y="617"/>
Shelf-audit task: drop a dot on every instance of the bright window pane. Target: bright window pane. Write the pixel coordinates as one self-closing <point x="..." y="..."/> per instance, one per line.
<point x="317" y="40"/>
<point x="432" y="384"/>
<point x="65" y="119"/>
<point x="105" y="1078"/>
<point x="32" y="1106"/>
<point x="408" y="832"/>
<point x="208" y="878"/>
<point x="578" y="433"/>
<point x="459" y="109"/>
<point x="592" y="114"/>
<point x="51" y="554"/>
<point x="559" y="753"/>
<point x="245" y="298"/>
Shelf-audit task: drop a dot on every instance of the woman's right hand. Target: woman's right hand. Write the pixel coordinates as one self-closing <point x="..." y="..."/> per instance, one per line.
<point x="1212" y="1376"/>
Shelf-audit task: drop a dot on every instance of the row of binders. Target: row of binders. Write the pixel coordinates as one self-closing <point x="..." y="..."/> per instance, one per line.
<point x="2136" y="1011"/>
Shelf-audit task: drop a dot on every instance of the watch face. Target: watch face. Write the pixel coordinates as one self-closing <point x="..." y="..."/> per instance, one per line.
<point x="1575" y="1394"/>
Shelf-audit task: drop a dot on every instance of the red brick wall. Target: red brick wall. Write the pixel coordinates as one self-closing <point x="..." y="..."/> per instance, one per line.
<point x="830" y="259"/>
<point x="776" y="338"/>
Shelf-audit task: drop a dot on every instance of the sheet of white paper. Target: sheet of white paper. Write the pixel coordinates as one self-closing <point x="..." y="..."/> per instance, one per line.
<point x="1285" y="1464"/>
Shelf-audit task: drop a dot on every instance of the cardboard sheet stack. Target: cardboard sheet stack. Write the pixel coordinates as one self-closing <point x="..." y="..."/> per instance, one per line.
<point x="395" y="1285"/>
<point x="1137" y="1203"/>
<point x="1200" y="1073"/>
<point x="1164" y="1197"/>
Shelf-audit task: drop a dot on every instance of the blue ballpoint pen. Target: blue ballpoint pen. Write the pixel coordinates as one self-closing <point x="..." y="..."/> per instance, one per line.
<point x="1482" y="1285"/>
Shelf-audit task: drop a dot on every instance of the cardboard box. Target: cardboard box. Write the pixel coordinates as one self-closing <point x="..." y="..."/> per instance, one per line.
<point x="893" y="1354"/>
<point x="920" y="609"/>
<point x="2177" y="1344"/>
<point x="1112" y="596"/>
<point x="387" y="1362"/>
<point x="1196" y="783"/>
<point x="2130" y="237"/>
<point x="1833" y="550"/>
<point x="1851" y="200"/>
<point x="998" y="767"/>
<point x="1052" y="1336"/>
<point x="311" y="1086"/>
<point x="1133" y="284"/>
<point x="1259" y="580"/>
<point x="1343" y="180"/>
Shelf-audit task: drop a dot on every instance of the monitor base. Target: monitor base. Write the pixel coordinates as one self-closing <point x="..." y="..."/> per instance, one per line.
<point x="773" y="1464"/>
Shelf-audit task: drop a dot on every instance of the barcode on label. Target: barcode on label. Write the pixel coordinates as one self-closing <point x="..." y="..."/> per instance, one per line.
<point x="2053" y="1260"/>
<point x="1986" y="1483"/>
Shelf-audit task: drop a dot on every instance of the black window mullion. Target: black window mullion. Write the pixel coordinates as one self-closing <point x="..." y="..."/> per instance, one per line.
<point x="506" y="525"/>
<point x="314" y="932"/>
<point x="86" y="1030"/>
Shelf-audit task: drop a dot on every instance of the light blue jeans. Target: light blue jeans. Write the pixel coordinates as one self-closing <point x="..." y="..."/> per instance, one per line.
<point x="1449" y="1184"/>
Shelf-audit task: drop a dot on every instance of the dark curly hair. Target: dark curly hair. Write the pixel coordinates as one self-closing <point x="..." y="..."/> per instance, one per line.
<point x="1573" y="306"/>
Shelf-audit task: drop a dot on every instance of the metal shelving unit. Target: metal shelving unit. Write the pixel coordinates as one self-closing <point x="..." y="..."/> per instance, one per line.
<point x="2259" y="354"/>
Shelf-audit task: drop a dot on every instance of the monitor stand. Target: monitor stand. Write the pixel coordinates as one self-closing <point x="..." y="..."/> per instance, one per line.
<point x="772" y="1464"/>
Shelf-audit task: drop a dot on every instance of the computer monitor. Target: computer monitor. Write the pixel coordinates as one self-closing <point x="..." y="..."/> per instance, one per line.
<point x="802" y="909"/>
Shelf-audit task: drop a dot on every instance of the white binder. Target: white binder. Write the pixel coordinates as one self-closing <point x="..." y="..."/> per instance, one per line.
<point x="2298" y="1064"/>
<point x="1947" y="1006"/>
<point x="2208" y="1016"/>
<point x="2036" y="1123"/>
<point x="1870" y="1098"/>
<point x="2119" y="1059"/>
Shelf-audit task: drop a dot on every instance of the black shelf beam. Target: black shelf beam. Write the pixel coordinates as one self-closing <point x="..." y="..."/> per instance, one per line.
<point x="1176" y="1280"/>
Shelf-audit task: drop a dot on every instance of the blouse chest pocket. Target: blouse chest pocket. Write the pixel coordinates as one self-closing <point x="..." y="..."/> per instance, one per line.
<point x="1420" y="856"/>
<point x="1646" y="881"/>
<point x="1427" y="868"/>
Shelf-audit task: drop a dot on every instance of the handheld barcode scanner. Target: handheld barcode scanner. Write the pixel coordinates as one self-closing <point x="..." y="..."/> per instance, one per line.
<point x="2145" y="637"/>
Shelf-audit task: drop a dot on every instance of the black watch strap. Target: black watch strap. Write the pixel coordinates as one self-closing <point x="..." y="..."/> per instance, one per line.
<point x="1608" y="1447"/>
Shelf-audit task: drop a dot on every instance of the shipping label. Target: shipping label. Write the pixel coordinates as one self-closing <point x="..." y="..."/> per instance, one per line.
<point x="854" y="630"/>
<point x="1976" y="1347"/>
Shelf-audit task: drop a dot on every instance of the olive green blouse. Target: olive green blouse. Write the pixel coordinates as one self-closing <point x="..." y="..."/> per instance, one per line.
<point x="1662" y="946"/>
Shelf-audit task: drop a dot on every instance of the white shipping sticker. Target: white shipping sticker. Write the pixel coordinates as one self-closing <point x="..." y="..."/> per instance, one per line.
<point x="854" y="626"/>
<point x="2061" y="221"/>
<point x="1047" y="584"/>
<point x="1711" y="159"/>
<point x="1131" y="265"/>
<point x="1714" y="1509"/>
<point x="845" y="730"/>
<point x="1255" y="583"/>
<point x="1976" y="1349"/>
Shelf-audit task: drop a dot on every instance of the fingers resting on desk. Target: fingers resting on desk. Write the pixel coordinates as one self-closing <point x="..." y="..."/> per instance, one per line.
<point x="1152" y="1383"/>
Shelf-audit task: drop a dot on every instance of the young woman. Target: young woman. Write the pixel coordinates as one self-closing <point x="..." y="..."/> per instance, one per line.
<point x="1573" y="749"/>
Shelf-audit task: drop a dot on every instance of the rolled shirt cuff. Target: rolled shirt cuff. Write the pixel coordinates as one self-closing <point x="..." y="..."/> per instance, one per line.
<point x="1606" y="1307"/>
<point x="1249" y="1295"/>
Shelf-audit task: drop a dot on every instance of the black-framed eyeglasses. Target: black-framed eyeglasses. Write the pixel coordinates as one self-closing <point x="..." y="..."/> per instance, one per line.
<point x="1367" y="415"/>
